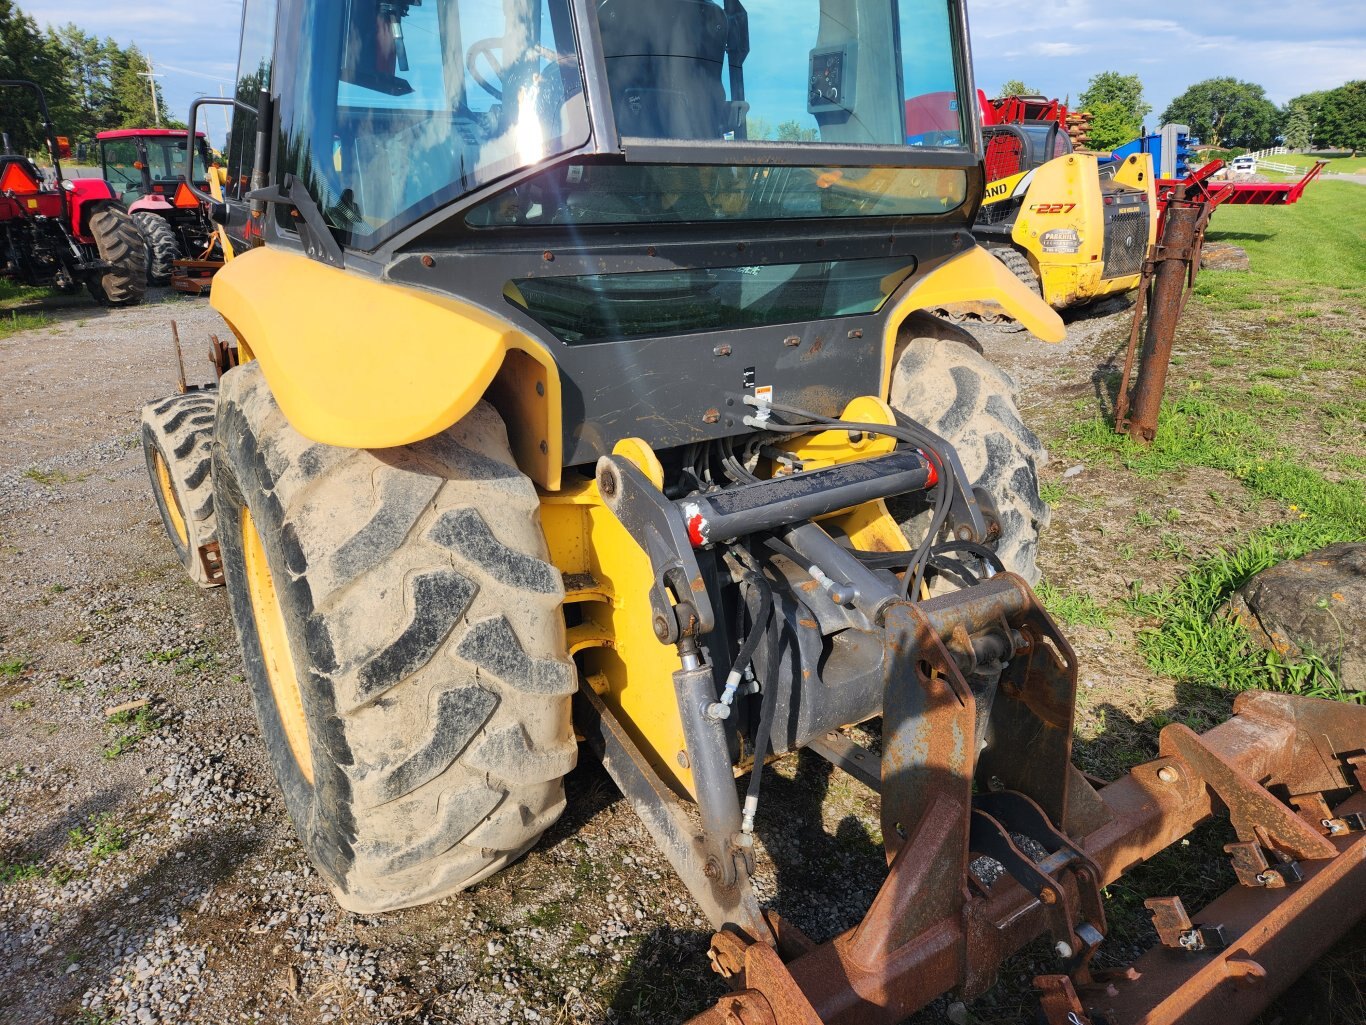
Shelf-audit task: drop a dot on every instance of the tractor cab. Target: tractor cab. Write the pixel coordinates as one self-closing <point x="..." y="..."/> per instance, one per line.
<point x="660" y="149"/>
<point x="148" y="164"/>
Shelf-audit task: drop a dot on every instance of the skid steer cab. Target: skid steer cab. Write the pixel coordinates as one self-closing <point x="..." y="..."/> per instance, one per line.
<point x="585" y="386"/>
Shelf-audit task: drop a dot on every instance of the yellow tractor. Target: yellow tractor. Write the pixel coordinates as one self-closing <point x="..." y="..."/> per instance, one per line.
<point x="585" y="390"/>
<point x="1075" y="226"/>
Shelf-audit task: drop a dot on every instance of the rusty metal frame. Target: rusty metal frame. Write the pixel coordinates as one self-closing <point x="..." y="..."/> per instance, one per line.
<point x="927" y="932"/>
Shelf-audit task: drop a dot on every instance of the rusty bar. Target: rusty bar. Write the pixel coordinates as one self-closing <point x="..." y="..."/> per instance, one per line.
<point x="1122" y="397"/>
<point x="181" y="387"/>
<point x="1273" y="934"/>
<point x="1173" y="255"/>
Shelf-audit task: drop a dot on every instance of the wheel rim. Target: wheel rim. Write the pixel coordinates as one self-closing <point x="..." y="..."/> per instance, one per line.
<point x="168" y="496"/>
<point x="274" y="644"/>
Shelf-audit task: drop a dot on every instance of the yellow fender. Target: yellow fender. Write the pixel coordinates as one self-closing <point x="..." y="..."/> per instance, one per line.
<point x="973" y="276"/>
<point x="358" y="363"/>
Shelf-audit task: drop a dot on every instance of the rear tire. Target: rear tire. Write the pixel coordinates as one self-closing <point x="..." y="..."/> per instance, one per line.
<point x="943" y="381"/>
<point x="177" y="441"/>
<point x="121" y="244"/>
<point x="163" y="246"/>
<point x="404" y="640"/>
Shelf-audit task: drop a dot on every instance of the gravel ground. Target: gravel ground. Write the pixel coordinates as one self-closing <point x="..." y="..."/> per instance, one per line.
<point x="148" y="870"/>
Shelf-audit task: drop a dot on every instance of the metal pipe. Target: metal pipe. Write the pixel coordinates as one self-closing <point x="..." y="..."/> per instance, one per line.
<point x="1173" y="256"/>
<point x="709" y="759"/>
<point x="767" y="505"/>
<point x="867" y="591"/>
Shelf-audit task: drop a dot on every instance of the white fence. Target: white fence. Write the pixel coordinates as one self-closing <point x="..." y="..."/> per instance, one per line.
<point x="1268" y="165"/>
<point x="1273" y="151"/>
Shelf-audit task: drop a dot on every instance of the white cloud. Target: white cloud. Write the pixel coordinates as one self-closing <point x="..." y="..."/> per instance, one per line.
<point x="1049" y="49"/>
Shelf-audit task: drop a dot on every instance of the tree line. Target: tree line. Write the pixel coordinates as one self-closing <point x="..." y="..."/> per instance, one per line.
<point x="91" y="84"/>
<point x="1223" y="112"/>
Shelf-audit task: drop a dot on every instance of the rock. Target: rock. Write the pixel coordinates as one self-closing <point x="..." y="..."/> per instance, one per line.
<point x="1223" y="256"/>
<point x="1315" y="604"/>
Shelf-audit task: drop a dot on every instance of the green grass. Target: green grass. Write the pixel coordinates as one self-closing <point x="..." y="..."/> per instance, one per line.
<point x="1073" y="609"/>
<point x="12" y="322"/>
<point x="1052" y="491"/>
<point x="12" y="294"/>
<point x="1190" y="642"/>
<point x="1337" y="165"/>
<point x="1309" y="244"/>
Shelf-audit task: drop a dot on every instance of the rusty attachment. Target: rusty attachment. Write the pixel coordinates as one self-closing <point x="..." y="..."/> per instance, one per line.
<point x="1058" y="1001"/>
<point x="180" y="387"/>
<point x="1175" y="930"/>
<point x="194" y="277"/>
<point x="1167" y="278"/>
<point x="1252" y="868"/>
<point x="212" y="561"/>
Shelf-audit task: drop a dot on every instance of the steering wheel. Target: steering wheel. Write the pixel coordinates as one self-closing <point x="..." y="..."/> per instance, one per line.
<point x="484" y="48"/>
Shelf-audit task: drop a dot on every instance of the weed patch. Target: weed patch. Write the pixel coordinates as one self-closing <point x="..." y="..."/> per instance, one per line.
<point x="13" y="667"/>
<point x="52" y="478"/>
<point x="133" y="727"/>
<point x="1073" y="609"/>
<point x="23" y="872"/>
<point x="102" y="839"/>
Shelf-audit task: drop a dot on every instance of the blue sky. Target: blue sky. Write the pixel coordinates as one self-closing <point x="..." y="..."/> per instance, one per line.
<point x="1053" y="45"/>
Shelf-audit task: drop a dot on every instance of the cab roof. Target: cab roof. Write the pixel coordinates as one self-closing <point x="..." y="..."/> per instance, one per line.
<point x="132" y="133"/>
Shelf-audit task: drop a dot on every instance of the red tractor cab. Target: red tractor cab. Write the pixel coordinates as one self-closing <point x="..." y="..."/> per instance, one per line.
<point x="147" y="166"/>
<point x="65" y="232"/>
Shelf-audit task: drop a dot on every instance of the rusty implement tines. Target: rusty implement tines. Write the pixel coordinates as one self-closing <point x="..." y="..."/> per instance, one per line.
<point x="1223" y="968"/>
<point x="1058" y="1001"/>
<point x="212" y="561"/>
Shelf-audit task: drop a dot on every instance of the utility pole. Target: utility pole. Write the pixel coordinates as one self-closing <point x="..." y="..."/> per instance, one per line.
<point x="227" y="125"/>
<point x="151" y="76"/>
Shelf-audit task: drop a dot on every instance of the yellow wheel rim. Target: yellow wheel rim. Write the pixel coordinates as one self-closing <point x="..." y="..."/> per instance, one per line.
<point x="168" y="496"/>
<point x="274" y="642"/>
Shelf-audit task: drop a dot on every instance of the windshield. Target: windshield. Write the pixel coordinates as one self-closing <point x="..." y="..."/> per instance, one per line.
<point x="834" y="71"/>
<point x="120" y="165"/>
<point x="166" y="159"/>
<point x="396" y="107"/>
<point x="635" y="193"/>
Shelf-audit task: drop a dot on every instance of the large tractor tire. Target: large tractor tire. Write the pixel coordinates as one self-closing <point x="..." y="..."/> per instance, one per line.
<point x="943" y="381"/>
<point x="404" y="642"/>
<point x="177" y="440"/>
<point x="163" y="247"/>
<point x="121" y="244"/>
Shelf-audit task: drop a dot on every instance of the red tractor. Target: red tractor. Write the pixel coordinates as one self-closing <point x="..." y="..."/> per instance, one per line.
<point x="68" y="233"/>
<point x="147" y="166"/>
